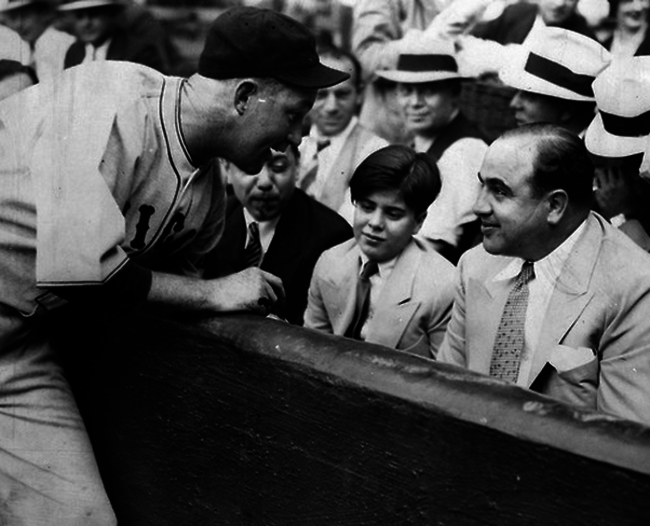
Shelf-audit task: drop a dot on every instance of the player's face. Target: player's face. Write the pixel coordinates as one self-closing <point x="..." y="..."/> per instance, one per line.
<point x="529" y="107"/>
<point x="335" y="106"/>
<point x="632" y="14"/>
<point x="512" y="218"/>
<point x="274" y="121"/>
<point x="427" y="106"/>
<point x="383" y="225"/>
<point x="94" y="25"/>
<point x="266" y="194"/>
<point x="555" y="12"/>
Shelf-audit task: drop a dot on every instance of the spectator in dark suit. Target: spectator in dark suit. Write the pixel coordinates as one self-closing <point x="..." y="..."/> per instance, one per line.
<point x="518" y="20"/>
<point x="100" y="36"/>
<point x="292" y="228"/>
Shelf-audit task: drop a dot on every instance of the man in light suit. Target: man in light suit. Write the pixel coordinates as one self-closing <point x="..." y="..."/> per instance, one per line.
<point x="337" y="142"/>
<point x="411" y="288"/>
<point x="294" y="229"/>
<point x="583" y="333"/>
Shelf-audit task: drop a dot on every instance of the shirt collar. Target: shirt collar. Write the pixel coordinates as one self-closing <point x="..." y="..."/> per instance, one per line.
<point x="265" y="226"/>
<point x="550" y="266"/>
<point x="384" y="268"/>
<point x="170" y="111"/>
<point x="340" y="138"/>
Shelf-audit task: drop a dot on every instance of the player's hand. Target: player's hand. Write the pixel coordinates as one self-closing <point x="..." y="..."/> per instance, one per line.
<point x="250" y="290"/>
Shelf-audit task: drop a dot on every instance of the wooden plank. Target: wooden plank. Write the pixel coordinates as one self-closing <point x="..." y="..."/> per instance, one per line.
<point x="239" y="420"/>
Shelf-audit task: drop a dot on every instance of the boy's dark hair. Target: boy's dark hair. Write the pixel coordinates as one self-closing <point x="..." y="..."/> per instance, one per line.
<point x="9" y="68"/>
<point x="414" y="175"/>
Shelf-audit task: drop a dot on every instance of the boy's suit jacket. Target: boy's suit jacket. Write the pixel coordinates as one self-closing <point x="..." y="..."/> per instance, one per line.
<point x="414" y="306"/>
<point x="305" y="230"/>
<point x="594" y="347"/>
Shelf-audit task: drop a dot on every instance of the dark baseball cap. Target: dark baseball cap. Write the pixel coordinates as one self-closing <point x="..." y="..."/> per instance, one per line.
<point x="254" y="42"/>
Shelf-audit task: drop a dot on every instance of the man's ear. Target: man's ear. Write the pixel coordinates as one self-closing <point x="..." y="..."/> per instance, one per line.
<point x="558" y="202"/>
<point x="244" y="93"/>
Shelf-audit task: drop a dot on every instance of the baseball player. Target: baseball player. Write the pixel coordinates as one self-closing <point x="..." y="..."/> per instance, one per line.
<point x="109" y="197"/>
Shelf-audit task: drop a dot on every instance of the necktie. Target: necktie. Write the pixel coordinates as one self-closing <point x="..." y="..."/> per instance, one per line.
<point x="363" y="300"/>
<point x="509" y="342"/>
<point x="310" y="169"/>
<point x="253" y="250"/>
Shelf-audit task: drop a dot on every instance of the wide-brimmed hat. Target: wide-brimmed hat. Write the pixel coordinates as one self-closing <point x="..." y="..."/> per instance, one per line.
<point x="73" y="5"/>
<point x="252" y="42"/>
<point x="429" y="61"/>
<point x="10" y="5"/>
<point x="622" y="125"/>
<point x="557" y="62"/>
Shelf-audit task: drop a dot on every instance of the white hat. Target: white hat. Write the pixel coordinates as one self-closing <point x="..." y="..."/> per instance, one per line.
<point x="622" y="125"/>
<point x="73" y="5"/>
<point x="557" y="62"/>
<point x="428" y="61"/>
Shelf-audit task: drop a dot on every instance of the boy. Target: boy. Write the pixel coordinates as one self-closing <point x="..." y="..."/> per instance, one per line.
<point x="384" y="286"/>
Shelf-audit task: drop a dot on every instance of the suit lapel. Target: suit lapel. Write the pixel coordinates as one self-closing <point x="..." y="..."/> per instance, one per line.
<point x="341" y="290"/>
<point x="394" y="309"/>
<point x="570" y="295"/>
<point x="487" y="300"/>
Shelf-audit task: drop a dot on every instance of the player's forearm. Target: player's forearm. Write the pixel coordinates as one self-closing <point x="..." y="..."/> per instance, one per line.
<point x="181" y="293"/>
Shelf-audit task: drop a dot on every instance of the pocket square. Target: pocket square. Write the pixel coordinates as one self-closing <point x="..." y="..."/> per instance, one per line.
<point x="565" y="358"/>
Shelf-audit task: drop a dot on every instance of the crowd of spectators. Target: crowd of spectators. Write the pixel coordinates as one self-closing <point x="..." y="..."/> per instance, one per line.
<point x="371" y="204"/>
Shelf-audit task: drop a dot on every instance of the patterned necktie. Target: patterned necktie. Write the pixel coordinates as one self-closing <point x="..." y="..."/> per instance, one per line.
<point x="363" y="300"/>
<point x="509" y="341"/>
<point x="310" y="169"/>
<point x="253" y="250"/>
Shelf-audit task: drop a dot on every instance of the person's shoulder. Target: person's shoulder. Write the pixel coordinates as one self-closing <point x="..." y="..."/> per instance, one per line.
<point x="477" y="263"/>
<point x="319" y="216"/>
<point x="334" y="260"/>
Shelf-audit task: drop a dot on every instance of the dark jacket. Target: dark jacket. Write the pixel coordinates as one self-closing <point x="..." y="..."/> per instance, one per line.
<point x="305" y="230"/>
<point x="516" y="21"/>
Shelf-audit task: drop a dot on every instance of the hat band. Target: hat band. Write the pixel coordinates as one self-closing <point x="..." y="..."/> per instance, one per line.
<point x="427" y="63"/>
<point x="559" y="75"/>
<point x="638" y="126"/>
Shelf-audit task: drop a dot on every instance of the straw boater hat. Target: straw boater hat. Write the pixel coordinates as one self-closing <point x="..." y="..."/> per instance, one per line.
<point x="429" y="62"/>
<point x="557" y="62"/>
<point x="622" y="125"/>
<point x="73" y="5"/>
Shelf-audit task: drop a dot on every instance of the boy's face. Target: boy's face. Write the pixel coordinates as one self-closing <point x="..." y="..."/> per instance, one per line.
<point x="383" y="225"/>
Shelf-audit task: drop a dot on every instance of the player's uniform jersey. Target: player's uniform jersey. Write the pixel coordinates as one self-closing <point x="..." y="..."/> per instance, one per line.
<point x="93" y="172"/>
<point x="98" y="173"/>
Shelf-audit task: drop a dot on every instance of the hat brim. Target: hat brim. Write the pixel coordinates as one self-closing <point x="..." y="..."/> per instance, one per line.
<point x="315" y="77"/>
<point x="16" y="5"/>
<point x="87" y="4"/>
<point x="417" y="77"/>
<point x="516" y="77"/>
<point x="602" y="143"/>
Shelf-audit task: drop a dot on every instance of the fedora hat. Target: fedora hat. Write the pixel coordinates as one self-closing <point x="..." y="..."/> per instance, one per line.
<point x="557" y="62"/>
<point x="622" y="124"/>
<point x="73" y="5"/>
<point x="424" y="61"/>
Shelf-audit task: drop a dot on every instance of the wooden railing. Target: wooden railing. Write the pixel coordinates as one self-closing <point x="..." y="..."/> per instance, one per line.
<point x="247" y="421"/>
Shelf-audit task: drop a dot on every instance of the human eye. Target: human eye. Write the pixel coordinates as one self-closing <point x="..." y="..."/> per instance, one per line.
<point x="279" y="165"/>
<point x="395" y="214"/>
<point x="364" y="205"/>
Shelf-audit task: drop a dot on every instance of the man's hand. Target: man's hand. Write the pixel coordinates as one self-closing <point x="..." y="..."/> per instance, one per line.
<point x="250" y="290"/>
<point x="614" y="192"/>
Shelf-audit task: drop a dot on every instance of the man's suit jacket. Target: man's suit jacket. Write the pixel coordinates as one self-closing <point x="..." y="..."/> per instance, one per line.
<point x="123" y="46"/>
<point x="305" y="230"/>
<point x="413" y="308"/>
<point x="594" y="347"/>
<point x="516" y="21"/>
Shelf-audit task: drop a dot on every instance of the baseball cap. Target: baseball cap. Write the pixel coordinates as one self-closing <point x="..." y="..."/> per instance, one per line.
<point x="10" y="5"/>
<point x="73" y="5"/>
<point x="254" y="42"/>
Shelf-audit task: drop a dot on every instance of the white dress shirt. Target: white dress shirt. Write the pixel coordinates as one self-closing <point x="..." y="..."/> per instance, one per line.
<point x="267" y="230"/>
<point x="540" y="291"/>
<point x="377" y="282"/>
